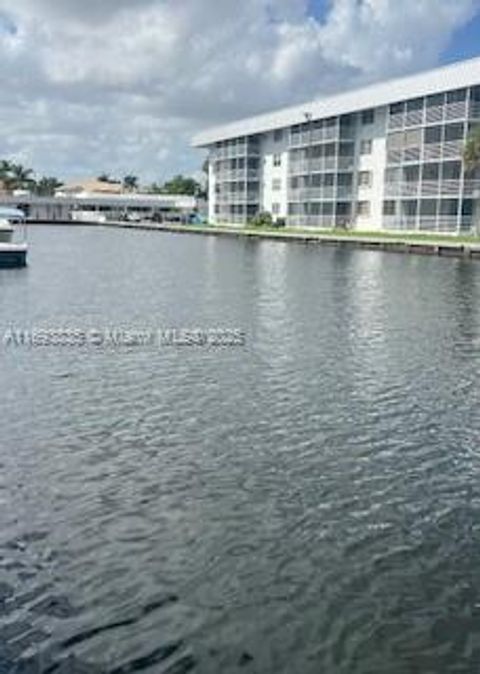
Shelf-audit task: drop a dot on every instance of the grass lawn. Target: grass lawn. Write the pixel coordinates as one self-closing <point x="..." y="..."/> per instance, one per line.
<point x="312" y="232"/>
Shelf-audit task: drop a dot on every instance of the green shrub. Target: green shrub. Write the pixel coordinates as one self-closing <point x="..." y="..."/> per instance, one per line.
<point x="263" y="219"/>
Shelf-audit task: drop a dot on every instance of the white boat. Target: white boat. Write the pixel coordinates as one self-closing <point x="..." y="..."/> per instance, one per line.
<point x="6" y="231"/>
<point x="9" y="217"/>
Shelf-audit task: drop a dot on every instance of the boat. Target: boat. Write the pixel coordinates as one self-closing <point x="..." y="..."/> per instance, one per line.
<point x="6" y="231"/>
<point x="11" y="254"/>
<point x="8" y="218"/>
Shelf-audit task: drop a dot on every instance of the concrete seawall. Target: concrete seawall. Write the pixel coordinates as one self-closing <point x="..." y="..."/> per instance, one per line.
<point x="388" y="243"/>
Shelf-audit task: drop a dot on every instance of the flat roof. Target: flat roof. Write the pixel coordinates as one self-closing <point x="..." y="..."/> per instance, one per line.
<point x="454" y="76"/>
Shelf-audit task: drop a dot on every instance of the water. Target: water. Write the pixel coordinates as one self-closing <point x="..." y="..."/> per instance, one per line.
<point x="308" y="503"/>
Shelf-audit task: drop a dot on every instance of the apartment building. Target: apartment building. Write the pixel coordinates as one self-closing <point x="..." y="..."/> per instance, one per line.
<point x="387" y="156"/>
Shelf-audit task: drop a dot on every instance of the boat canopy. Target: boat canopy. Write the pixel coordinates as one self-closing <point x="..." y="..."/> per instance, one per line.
<point x="11" y="214"/>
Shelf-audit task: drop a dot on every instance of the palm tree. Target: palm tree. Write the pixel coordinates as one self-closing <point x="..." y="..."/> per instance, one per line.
<point x="21" y="177"/>
<point x="46" y="186"/>
<point x="130" y="183"/>
<point x="471" y="151"/>
<point x="471" y="161"/>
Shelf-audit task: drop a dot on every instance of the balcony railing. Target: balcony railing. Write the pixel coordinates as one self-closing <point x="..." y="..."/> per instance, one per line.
<point x="475" y="109"/>
<point x="312" y="165"/>
<point x="471" y="188"/>
<point x="320" y="221"/>
<point x="456" y="110"/>
<point x="316" y="136"/>
<point x="435" y="114"/>
<point x="312" y="194"/>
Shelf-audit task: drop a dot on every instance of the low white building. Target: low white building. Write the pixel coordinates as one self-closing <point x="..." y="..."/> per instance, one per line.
<point x="387" y="156"/>
<point x="94" y="207"/>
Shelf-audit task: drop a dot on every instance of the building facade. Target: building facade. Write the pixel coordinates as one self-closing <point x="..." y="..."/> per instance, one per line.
<point x="92" y="207"/>
<point x="388" y="156"/>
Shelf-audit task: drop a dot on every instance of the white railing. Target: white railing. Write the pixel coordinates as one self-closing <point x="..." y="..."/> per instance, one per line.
<point x="414" y="118"/>
<point x="430" y="188"/>
<point x="471" y="187"/>
<point x="396" y="121"/>
<point x="450" y="186"/>
<point x="312" y="165"/>
<point x="453" y="149"/>
<point x="400" y="222"/>
<point x="434" y="114"/>
<point x="411" y="154"/>
<point x="456" y="110"/>
<point x="320" y="221"/>
<point x="475" y="109"/>
<point x="432" y="151"/>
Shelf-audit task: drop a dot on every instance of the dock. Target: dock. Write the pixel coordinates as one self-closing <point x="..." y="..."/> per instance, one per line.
<point x="13" y="255"/>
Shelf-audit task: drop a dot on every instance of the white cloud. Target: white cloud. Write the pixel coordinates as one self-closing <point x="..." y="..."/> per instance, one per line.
<point x="120" y="85"/>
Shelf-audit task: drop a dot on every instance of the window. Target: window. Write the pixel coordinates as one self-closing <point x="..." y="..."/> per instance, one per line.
<point x="277" y="159"/>
<point x="275" y="208"/>
<point x="344" y="208"/>
<point x="428" y="207"/>
<point x="436" y="100"/>
<point x="363" y="208"/>
<point x="330" y="150"/>
<point x="433" y="134"/>
<point x="278" y="135"/>
<point x="346" y="149"/>
<point x="415" y="104"/>
<point x="410" y="208"/>
<point x="276" y="184"/>
<point x="345" y="179"/>
<point x="397" y="108"/>
<point x="389" y="208"/>
<point x="431" y="172"/>
<point x="449" y="207"/>
<point x="368" y="116"/>
<point x="451" y="170"/>
<point x="366" y="147"/>
<point x="365" y="178"/>
<point x="454" y="132"/>
<point x="411" y="174"/>
<point x="457" y="96"/>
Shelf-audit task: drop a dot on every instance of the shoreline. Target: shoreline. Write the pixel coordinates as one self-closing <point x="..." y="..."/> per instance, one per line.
<point x="419" y="244"/>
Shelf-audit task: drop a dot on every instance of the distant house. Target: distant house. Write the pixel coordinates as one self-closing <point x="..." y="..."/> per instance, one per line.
<point x="89" y="187"/>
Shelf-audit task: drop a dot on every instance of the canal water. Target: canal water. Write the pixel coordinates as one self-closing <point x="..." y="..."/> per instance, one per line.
<point x="303" y="500"/>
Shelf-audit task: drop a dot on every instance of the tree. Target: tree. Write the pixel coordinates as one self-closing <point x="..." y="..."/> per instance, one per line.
<point x="471" y="151"/>
<point x="46" y="186"/>
<point x="15" y="176"/>
<point x="130" y="183"/>
<point x="471" y="160"/>
<point x="104" y="178"/>
<point x="182" y="185"/>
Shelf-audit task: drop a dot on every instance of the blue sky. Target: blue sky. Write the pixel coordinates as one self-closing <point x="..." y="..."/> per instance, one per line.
<point x="76" y="101"/>
<point x="465" y="42"/>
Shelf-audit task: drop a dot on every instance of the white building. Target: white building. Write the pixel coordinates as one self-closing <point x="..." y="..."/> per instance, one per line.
<point x="96" y="207"/>
<point x="387" y="156"/>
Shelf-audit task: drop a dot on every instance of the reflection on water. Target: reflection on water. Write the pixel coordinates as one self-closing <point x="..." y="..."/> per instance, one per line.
<point x="308" y="503"/>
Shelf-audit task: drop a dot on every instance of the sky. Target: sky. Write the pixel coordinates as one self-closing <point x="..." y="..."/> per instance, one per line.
<point x="121" y="86"/>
